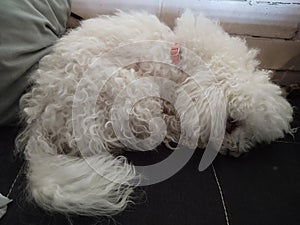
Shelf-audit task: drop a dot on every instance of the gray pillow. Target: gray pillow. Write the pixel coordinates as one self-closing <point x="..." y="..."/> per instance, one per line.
<point x="28" y="29"/>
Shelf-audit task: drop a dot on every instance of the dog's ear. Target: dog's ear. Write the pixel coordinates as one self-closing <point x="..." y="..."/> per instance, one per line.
<point x="272" y="115"/>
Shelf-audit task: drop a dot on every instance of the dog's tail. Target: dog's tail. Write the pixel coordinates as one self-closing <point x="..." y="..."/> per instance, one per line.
<point x="97" y="185"/>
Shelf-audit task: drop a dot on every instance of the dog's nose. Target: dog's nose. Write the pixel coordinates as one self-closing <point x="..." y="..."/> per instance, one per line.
<point x="231" y="125"/>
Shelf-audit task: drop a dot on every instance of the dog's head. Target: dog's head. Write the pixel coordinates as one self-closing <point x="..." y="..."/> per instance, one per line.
<point x="257" y="112"/>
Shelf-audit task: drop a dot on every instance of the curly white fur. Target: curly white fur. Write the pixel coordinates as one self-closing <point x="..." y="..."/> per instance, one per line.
<point x="60" y="179"/>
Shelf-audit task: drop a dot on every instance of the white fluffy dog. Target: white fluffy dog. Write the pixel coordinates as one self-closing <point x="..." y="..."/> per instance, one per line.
<point x="58" y="176"/>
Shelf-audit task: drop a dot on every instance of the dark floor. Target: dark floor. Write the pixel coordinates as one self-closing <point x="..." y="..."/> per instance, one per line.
<point x="260" y="188"/>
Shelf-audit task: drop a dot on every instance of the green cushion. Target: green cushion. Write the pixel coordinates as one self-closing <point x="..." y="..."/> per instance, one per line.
<point x="28" y="29"/>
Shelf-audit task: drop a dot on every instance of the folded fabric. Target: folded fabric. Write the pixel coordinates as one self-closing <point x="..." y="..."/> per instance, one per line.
<point x="28" y="30"/>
